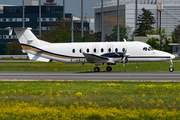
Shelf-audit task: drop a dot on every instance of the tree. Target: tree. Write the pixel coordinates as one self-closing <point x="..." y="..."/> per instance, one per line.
<point x="14" y="48"/>
<point x="61" y="32"/>
<point x="123" y="34"/>
<point x="92" y="37"/>
<point x="145" y="22"/>
<point x="175" y="34"/>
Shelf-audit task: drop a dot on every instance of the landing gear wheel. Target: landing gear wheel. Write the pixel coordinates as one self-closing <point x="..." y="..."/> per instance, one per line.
<point x="108" y="69"/>
<point x="96" y="69"/>
<point x="171" y="69"/>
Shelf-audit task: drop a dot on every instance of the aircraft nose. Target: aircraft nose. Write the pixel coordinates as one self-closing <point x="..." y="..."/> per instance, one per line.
<point x="172" y="57"/>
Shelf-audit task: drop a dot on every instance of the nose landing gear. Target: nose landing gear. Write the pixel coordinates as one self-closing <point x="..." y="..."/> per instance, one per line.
<point x="171" y="69"/>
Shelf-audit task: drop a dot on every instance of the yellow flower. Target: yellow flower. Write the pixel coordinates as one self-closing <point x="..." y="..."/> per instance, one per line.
<point x="143" y="95"/>
<point x="58" y="84"/>
<point x="78" y="95"/>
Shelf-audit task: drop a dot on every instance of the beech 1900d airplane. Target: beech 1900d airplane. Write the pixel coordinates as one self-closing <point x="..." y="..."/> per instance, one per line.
<point x="89" y="52"/>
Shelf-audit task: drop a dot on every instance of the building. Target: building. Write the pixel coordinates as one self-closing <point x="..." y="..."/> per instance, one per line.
<point x="169" y="15"/>
<point x="11" y="16"/>
<point x="89" y="20"/>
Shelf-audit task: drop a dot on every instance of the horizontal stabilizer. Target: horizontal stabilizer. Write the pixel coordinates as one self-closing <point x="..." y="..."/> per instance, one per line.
<point x="37" y="57"/>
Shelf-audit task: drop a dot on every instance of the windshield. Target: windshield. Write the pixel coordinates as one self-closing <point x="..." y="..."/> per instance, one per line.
<point x="148" y="48"/>
<point x="151" y="48"/>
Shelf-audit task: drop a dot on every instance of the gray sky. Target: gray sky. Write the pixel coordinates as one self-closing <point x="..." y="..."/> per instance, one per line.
<point x="71" y="6"/>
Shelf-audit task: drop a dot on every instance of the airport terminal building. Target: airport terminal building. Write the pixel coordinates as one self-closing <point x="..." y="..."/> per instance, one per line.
<point x="169" y="15"/>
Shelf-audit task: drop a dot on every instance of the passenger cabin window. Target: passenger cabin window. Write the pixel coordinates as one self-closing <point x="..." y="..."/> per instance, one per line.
<point x="116" y="50"/>
<point x="73" y="50"/>
<point x="94" y="50"/>
<point x="109" y="49"/>
<point x="102" y="50"/>
<point x="88" y="50"/>
<point x="80" y="51"/>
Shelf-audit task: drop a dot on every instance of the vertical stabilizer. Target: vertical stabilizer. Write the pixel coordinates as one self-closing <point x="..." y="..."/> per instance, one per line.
<point x="25" y="36"/>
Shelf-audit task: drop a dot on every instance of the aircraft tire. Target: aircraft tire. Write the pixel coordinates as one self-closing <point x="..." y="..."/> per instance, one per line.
<point x="96" y="69"/>
<point x="108" y="69"/>
<point x="171" y="69"/>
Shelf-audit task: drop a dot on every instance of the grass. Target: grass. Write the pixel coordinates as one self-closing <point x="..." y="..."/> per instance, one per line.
<point x="95" y="92"/>
<point x="99" y="100"/>
<point x="38" y="66"/>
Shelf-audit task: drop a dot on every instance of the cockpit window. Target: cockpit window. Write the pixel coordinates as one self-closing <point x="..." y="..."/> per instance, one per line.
<point x="148" y="48"/>
<point x="145" y="49"/>
<point x="151" y="48"/>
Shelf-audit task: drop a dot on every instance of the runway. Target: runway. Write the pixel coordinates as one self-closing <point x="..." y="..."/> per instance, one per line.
<point x="116" y="76"/>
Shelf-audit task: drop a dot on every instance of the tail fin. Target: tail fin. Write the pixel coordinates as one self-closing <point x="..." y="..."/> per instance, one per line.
<point x="30" y="43"/>
<point x="25" y="36"/>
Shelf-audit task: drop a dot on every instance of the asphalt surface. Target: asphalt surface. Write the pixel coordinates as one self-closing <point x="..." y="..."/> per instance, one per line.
<point x="96" y="76"/>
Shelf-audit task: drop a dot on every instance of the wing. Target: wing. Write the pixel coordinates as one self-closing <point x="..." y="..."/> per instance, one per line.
<point x="92" y="58"/>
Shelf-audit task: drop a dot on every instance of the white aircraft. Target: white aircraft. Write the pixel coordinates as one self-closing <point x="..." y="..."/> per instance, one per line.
<point x="89" y="52"/>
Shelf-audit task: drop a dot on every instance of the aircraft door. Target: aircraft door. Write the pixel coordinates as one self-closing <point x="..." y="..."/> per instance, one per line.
<point x="95" y="49"/>
<point x="110" y="48"/>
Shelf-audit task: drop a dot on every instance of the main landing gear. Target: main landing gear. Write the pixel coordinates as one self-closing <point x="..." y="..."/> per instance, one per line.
<point x="171" y="69"/>
<point x="96" y="69"/>
<point x="108" y="69"/>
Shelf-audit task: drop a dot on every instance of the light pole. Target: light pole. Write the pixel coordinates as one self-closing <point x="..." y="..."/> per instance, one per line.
<point x="72" y="39"/>
<point x="23" y="14"/>
<point x="102" y="21"/>
<point x="160" y="10"/>
<point x="136" y="14"/>
<point x="179" y="37"/>
<point x="82" y="23"/>
<point x="63" y="9"/>
<point x="39" y="18"/>
<point x="118" y="37"/>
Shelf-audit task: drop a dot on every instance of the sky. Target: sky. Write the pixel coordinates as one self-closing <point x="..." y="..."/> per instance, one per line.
<point x="71" y="6"/>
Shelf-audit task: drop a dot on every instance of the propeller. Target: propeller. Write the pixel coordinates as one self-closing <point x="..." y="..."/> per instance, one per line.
<point x="125" y="56"/>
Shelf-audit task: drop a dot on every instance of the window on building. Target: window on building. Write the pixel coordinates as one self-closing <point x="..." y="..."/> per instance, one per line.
<point x="4" y="36"/>
<point x="50" y="19"/>
<point x="4" y="19"/>
<point x="44" y="19"/>
<point x="10" y="19"/>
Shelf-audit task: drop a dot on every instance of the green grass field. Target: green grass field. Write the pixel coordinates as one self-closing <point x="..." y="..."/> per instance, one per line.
<point x="37" y="66"/>
<point x="89" y="100"/>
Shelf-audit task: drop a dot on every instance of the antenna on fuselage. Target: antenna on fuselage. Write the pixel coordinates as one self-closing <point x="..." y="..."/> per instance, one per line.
<point x="125" y="40"/>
